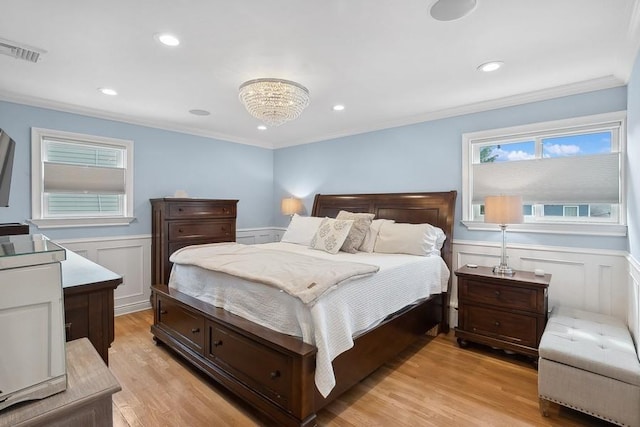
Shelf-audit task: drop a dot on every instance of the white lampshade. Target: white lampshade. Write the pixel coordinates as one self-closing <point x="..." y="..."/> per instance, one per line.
<point x="503" y="209"/>
<point x="290" y="206"/>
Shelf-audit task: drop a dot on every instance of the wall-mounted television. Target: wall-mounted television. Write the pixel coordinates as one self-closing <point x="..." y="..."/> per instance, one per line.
<point x="7" y="149"/>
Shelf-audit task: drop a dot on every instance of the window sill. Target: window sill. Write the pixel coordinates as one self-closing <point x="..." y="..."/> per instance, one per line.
<point x="550" y="228"/>
<point x="81" y="222"/>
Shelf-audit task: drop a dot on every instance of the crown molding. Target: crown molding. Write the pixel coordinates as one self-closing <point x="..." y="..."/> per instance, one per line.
<point x="606" y="82"/>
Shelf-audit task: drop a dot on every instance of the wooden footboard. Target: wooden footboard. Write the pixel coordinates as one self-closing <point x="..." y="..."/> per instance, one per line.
<point x="273" y="372"/>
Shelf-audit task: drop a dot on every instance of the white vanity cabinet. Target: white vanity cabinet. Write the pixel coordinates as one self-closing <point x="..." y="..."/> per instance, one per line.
<point x="32" y="334"/>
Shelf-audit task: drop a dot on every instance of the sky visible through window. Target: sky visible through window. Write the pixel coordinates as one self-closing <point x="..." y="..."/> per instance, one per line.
<point x="560" y="146"/>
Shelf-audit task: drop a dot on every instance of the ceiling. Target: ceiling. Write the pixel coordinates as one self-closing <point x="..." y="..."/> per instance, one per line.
<point x="387" y="61"/>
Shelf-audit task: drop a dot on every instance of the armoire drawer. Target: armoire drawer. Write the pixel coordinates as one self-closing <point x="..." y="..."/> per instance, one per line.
<point x="214" y="230"/>
<point x="191" y="210"/>
<point x="186" y="325"/>
<point x="258" y="366"/>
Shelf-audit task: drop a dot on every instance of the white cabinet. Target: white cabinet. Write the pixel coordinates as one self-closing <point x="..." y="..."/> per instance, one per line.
<point x="32" y="359"/>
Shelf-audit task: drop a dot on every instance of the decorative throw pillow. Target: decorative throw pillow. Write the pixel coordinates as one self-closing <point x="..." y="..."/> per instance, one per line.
<point x="331" y="235"/>
<point x="412" y="239"/>
<point x="301" y="229"/>
<point x="372" y="234"/>
<point x="361" y="223"/>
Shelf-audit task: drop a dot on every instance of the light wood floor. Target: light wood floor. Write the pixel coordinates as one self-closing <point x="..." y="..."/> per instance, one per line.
<point x="433" y="383"/>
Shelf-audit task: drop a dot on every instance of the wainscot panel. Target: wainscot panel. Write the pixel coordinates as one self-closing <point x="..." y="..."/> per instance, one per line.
<point x="582" y="278"/>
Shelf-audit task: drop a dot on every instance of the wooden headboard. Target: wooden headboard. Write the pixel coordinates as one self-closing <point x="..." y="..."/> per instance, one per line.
<point x="434" y="208"/>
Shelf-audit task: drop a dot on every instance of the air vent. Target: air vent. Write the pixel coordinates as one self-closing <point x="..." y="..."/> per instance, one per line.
<point x="20" y="51"/>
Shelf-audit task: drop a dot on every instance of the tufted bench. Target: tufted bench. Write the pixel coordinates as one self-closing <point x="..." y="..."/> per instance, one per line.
<point x="588" y="362"/>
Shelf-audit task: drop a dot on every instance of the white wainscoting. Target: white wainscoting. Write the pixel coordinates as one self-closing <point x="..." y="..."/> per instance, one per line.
<point x="130" y="257"/>
<point x="594" y="280"/>
<point x="633" y="314"/>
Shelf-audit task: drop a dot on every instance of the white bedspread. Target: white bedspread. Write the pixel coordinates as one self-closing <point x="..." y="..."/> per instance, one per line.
<point x="338" y="316"/>
<point x="301" y="276"/>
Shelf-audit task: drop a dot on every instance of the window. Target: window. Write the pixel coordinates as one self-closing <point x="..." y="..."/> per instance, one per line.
<point x="80" y="180"/>
<point x="569" y="174"/>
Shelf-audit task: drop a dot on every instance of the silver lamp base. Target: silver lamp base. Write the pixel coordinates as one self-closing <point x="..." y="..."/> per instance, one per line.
<point x="504" y="270"/>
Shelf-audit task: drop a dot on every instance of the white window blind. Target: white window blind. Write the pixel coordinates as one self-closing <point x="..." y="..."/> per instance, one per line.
<point x="582" y="179"/>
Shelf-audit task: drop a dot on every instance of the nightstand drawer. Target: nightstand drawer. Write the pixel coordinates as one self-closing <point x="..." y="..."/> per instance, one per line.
<point x="516" y="328"/>
<point x="505" y="296"/>
<point x="212" y="230"/>
<point x="199" y="210"/>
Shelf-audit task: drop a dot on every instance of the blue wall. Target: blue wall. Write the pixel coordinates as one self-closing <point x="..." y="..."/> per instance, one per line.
<point x="427" y="157"/>
<point x="163" y="163"/>
<point x="633" y="160"/>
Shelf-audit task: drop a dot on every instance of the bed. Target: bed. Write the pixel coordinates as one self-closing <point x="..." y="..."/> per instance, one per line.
<point x="275" y="372"/>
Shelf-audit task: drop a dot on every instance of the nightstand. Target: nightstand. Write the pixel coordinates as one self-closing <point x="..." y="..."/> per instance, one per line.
<point x="507" y="312"/>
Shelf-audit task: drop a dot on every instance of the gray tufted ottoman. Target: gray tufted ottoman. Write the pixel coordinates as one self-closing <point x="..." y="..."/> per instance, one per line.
<point x="588" y="362"/>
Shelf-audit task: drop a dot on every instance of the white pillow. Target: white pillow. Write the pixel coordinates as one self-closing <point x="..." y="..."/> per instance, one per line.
<point x="372" y="234"/>
<point x="331" y="235"/>
<point x="412" y="239"/>
<point x="301" y="229"/>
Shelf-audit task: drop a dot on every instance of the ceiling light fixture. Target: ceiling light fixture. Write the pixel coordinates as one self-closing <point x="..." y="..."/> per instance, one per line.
<point x="450" y="10"/>
<point x="107" y="91"/>
<point x="262" y="127"/>
<point x="274" y="101"/>
<point x="338" y="107"/>
<point x="167" y="39"/>
<point x="488" y="67"/>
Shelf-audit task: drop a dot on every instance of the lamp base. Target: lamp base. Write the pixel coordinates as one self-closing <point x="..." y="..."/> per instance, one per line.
<point x="504" y="270"/>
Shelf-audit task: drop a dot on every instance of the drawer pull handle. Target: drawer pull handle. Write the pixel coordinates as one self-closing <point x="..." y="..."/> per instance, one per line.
<point x="497" y="293"/>
<point x="179" y="209"/>
<point x="217" y="343"/>
<point x="275" y="374"/>
<point x="163" y="311"/>
<point x="179" y="230"/>
<point x="497" y="323"/>
<point x="195" y="330"/>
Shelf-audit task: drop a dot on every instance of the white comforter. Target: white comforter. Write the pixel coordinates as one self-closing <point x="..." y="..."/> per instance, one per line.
<point x="338" y="316"/>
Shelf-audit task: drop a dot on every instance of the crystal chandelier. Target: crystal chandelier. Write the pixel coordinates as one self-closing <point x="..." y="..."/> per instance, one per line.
<point x="274" y="101"/>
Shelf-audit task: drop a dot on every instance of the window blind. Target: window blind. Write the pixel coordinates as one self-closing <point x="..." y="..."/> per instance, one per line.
<point x="67" y="178"/>
<point x="575" y="179"/>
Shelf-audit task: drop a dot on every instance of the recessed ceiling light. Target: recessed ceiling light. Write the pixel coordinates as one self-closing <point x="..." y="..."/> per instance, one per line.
<point x="107" y="91"/>
<point x="488" y="67"/>
<point x="262" y="127"/>
<point x="450" y="10"/>
<point x="338" y="107"/>
<point x="199" y="112"/>
<point x="167" y="39"/>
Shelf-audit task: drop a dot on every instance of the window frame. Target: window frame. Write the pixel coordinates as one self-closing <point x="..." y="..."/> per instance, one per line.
<point x="38" y="217"/>
<point x="585" y="124"/>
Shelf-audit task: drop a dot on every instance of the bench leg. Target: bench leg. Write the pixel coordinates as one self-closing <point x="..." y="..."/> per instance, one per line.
<point x="544" y="406"/>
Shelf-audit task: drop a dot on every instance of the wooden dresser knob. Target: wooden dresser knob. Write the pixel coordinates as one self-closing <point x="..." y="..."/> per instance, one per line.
<point x="274" y="375"/>
<point x="195" y="330"/>
<point x="497" y="293"/>
<point x="217" y="343"/>
<point x="179" y="209"/>
<point x="163" y="311"/>
<point x="497" y="323"/>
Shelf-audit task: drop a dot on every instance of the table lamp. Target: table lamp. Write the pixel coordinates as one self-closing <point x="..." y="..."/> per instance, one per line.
<point x="503" y="210"/>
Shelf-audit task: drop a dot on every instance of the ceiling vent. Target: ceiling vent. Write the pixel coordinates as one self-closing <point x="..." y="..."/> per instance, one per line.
<point x="20" y="51"/>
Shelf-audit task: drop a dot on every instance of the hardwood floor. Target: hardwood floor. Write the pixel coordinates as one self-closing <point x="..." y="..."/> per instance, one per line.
<point x="433" y="383"/>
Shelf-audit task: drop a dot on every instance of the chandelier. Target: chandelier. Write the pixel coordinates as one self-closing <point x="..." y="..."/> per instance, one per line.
<point x="274" y="101"/>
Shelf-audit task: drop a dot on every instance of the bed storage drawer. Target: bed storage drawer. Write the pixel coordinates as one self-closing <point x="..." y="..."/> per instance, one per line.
<point x="260" y="367"/>
<point x="215" y="230"/>
<point x="186" y="325"/>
